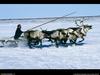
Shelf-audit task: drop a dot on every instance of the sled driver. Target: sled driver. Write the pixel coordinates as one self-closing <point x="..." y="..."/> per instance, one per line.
<point x="18" y="32"/>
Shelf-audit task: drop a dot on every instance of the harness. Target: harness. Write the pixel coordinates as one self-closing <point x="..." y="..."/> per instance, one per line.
<point x="84" y="32"/>
<point x="78" y="33"/>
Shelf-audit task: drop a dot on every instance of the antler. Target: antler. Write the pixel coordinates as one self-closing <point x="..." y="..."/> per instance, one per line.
<point x="77" y="23"/>
<point x="82" y="21"/>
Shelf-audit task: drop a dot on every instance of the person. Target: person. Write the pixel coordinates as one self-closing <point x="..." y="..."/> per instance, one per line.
<point x="18" y="32"/>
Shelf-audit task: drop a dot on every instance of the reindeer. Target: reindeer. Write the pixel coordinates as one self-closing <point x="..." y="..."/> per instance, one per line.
<point x="78" y="32"/>
<point x="47" y="34"/>
<point x="58" y="36"/>
<point x="34" y="36"/>
<point x="68" y="35"/>
<point x="83" y="29"/>
<point x="73" y="33"/>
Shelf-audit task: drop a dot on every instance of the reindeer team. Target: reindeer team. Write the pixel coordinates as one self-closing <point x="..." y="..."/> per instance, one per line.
<point x="58" y="36"/>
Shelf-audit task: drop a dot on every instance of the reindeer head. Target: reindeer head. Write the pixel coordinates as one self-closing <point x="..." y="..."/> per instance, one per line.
<point x="88" y="27"/>
<point x="84" y="27"/>
<point x="81" y="21"/>
<point x="45" y="32"/>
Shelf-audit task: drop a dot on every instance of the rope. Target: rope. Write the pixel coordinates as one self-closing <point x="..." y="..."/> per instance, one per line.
<point x="51" y="21"/>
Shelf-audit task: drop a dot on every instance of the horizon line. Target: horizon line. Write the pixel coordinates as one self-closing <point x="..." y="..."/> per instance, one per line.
<point x="47" y="17"/>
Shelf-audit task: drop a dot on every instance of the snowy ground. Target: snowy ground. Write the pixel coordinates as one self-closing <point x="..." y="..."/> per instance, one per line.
<point x="84" y="56"/>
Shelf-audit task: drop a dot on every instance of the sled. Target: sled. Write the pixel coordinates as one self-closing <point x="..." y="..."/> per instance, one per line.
<point x="11" y="42"/>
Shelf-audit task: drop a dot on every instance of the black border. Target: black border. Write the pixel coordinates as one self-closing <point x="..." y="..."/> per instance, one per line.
<point x="49" y="2"/>
<point x="51" y="71"/>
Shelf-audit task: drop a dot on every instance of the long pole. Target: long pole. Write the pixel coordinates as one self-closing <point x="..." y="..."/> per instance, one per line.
<point x="51" y="21"/>
<point x="47" y="22"/>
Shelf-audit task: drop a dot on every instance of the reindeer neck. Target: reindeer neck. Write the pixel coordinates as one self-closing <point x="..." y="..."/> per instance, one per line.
<point x="83" y="30"/>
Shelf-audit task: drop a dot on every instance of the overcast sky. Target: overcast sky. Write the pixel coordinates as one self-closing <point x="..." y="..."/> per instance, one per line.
<point x="47" y="10"/>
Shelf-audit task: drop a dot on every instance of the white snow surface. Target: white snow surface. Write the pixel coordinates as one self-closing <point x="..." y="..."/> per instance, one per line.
<point x="84" y="56"/>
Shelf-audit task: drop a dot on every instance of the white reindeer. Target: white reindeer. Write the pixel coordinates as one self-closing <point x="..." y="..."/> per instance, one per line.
<point x="34" y="36"/>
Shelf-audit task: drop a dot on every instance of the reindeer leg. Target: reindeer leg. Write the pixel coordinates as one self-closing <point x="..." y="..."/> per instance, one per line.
<point x="82" y="39"/>
<point x="50" y="39"/>
<point x="36" y="42"/>
<point x="66" y="45"/>
<point x="62" y="41"/>
<point x="71" y="42"/>
<point x="74" y="41"/>
<point x="29" y="44"/>
<point x="41" y="44"/>
<point x="56" y="42"/>
<point x="3" y="42"/>
<point x="29" y="41"/>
